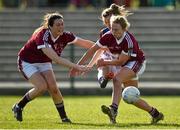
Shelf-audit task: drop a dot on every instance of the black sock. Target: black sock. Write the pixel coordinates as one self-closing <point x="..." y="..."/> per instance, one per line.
<point x="24" y="101"/>
<point x="114" y="106"/>
<point x="61" y="110"/>
<point x="154" y="112"/>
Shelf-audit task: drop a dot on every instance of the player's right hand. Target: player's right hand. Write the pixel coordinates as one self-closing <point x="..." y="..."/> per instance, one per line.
<point x="73" y="72"/>
<point x="84" y="69"/>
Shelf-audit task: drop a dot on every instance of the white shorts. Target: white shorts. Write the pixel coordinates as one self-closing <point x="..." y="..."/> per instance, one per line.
<point x="28" y="69"/>
<point x="133" y="65"/>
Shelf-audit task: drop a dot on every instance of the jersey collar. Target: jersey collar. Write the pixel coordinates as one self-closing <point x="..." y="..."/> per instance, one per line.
<point x="120" y="40"/>
<point x="53" y="39"/>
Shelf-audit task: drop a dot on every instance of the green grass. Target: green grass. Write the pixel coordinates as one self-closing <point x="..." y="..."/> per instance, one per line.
<point x="85" y="113"/>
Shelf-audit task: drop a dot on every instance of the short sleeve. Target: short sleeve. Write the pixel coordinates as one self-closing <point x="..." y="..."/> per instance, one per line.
<point x="41" y="39"/>
<point x="70" y="37"/>
<point x="102" y="42"/>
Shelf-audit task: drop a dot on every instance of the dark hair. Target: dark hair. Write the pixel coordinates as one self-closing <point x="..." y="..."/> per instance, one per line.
<point x="52" y="18"/>
<point x="49" y="21"/>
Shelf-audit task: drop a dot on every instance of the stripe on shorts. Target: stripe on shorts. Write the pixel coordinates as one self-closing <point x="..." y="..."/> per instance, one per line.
<point x="21" y="68"/>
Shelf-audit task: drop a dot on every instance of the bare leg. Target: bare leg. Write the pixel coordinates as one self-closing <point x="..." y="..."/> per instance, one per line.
<point x="117" y="90"/>
<point x="143" y="105"/>
<point x="140" y="103"/>
<point x="40" y="87"/>
<point x="56" y="94"/>
<point x="52" y="86"/>
<point x="131" y="83"/>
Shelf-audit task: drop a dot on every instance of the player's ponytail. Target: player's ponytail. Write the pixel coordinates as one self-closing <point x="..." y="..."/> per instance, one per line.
<point x="119" y="10"/>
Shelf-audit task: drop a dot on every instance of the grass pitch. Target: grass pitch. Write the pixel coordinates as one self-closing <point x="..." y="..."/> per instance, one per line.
<point x="85" y="113"/>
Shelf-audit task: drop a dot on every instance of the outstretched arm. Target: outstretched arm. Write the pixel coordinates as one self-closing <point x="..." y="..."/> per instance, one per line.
<point x="118" y="62"/>
<point x="84" y="43"/>
<point x="89" y="54"/>
<point x="61" y="61"/>
<point x="95" y="57"/>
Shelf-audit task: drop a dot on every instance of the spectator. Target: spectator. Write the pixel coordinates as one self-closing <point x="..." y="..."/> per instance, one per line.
<point x="1" y="4"/>
<point x="74" y="4"/>
<point x="10" y="3"/>
<point x="143" y="3"/>
<point x="57" y="3"/>
<point x="23" y="4"/>
<point x="127" y="3"/>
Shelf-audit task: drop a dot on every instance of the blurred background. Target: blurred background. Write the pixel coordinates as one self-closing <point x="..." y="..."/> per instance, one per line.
<point x="155" y="23"/>
<point x="87" y="4"/>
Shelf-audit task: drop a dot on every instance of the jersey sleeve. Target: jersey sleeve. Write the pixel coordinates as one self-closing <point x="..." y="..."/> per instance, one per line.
<point x="41" y="39"/>
<point x="71" y="37"/>
<point x="102" y="42"/>
<point x="129" y="48"/>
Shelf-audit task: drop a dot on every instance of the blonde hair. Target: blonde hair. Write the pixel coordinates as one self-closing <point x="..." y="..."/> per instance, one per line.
<point x="115" y="9"/>
<point x="48" y="20"/>
<point x="120" y="20"/>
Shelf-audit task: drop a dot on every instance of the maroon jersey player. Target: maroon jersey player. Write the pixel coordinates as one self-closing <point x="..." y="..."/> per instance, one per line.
<point x="35" y="62"/>
<point x="127" y="55"/>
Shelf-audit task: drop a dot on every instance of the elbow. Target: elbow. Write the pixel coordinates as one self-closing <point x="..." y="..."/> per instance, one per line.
<point x="55" y="60"/>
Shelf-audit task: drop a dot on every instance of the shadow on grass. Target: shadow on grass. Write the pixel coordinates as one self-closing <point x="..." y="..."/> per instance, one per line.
<point x="125" y="125"/>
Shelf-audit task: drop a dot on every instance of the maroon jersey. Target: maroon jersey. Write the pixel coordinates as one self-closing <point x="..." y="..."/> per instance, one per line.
<point x="32" y="53"/>
<point x="127" y="45"/>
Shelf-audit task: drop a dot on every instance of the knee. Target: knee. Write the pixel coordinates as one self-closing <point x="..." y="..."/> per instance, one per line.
<point x="117" y="85"/>
<point x="117" y="80"/>
<point x="131" y="94"/>
<point x="42" y="88"/>
<point x="53" y="89"/>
